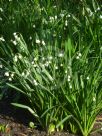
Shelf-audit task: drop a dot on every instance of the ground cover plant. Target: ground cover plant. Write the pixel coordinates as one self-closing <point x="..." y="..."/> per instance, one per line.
<point x="55" y="60"/>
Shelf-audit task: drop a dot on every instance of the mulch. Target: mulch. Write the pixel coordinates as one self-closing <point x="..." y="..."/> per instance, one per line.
<point x="17" y="123"/>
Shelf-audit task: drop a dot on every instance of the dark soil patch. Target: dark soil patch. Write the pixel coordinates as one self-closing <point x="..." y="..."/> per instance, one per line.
<point x="17" y="121"/>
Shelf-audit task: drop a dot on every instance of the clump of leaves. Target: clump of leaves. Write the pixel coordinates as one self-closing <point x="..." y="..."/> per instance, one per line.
<point x="4" y="129"/>
<point x="63" y="86"/>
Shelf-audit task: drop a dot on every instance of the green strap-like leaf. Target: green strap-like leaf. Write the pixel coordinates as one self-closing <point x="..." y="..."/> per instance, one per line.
<point x="62" y="121"/>
<point x="25" y="107"/>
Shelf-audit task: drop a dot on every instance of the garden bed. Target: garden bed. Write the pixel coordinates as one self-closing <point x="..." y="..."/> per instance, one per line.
<point x="17" y="123"/>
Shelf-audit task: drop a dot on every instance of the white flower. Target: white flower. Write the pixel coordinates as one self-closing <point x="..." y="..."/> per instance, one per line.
<point x="91" y="13"/>
<point x="15" y="58"/>
<point x="27" y="73"/>
<point x="50" y="57"/>
<point x="10" y="79"/>
<point x="20" y="56"/>
<point x="87" y="78"/>
<point x="60" y="55"/>
<point x="35" y="65"/>
<point x="55" y="17"/>
<point x="77" y="57"/>
<point x="13" y="21"/>
<point x="16" y="36"/>
<point x="42" y="9"/>
<point x="66" y="72"/>
<point x="43" y="58"/>
<point x="30" y="38"/>
<point x="68" y="15"/>
<point x="37" y="41"/>
<point x="98" y="9"/>
<point x="101" y="48"/>
<point x="33" y="26"/>
<point x="35" y="59"/>
<point x="68" y="79"/>
<point x="54" y="35"/>
<point x="0" y="19"/>
<point x="54" y="6"/>
<point x="69" y="76"/>
<point x="46" y="64"/>
<point x="61" y="65"/>
<point x="42" y="65"/>
<point x="32" y="62"/>
<point x="70" y="86"/>
<point x="59" y="36"/>
<point x="49" y="62"/>
<point x="94" y="99"/>
<point x="100" y="16"/>
<point x="66" y="23"/>
<point x="35" y="82"/>
<point x="1" y="66"/>
<point x="22" y="74"/>
<point x="14" y="33"/>
<point x="51" y="19"/>
<point x="6" y="74"/>
<point x="62" y="15"/>
<point x="2" y="39"/>
<point x="14" y="42"/>
<point x="56" y="67"/>
<point x="69" y="67"/>
<point x="43" y="43"/>
<point x="12" y="75"/>
<point x="88" y="10"/>
<point x="1" y="9"/>
<point x="64" y="28"/>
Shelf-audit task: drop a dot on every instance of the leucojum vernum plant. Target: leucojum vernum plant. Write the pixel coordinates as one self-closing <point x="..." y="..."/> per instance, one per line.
<point x="61" y="78"/>
<point x="63" y="85"/>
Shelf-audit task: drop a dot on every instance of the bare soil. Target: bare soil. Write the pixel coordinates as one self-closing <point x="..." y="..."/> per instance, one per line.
<point x="17" y="123"/>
